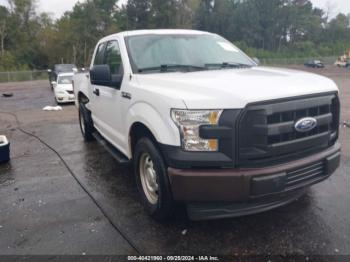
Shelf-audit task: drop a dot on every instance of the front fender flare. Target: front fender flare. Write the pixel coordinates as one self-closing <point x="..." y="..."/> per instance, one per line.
<point x="161" y="125"/>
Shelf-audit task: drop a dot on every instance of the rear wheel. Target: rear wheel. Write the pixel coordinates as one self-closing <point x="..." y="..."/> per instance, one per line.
<point x="152" y="180"/>
<point x="86" y="124"/>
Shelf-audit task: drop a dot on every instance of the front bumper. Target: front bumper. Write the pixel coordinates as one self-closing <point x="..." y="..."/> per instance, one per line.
<point x="281" y="182"/>
<point x="65" y="98"/>
<point x="209" y="211"/>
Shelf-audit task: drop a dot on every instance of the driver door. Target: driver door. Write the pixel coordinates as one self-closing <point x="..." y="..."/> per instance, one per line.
<point x="106" y="100"/>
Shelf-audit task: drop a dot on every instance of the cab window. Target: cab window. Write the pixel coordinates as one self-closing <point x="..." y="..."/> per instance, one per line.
<point x="113" y="58"/>
<point x="100" y="54"/>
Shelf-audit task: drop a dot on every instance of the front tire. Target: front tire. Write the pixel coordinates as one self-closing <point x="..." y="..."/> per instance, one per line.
<point x="86" y="124"/>
<point x="152" y="180"/>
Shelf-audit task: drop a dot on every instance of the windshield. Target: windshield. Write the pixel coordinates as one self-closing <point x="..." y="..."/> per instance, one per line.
<point x="176" y="52"/>
<point x="65" y="80"/>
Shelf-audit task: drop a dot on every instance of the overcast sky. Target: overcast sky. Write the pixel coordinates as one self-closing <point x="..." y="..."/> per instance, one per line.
<point x="58" y="7"/>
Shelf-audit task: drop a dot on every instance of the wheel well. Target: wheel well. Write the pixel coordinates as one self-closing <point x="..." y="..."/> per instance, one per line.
<point x="138" y="131"/>
<point x="82" y="98"/>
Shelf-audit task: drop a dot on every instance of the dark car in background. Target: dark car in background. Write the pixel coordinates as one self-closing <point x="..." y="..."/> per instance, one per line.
<point x="314" y="64"/>
<point x="347" y="65"/>
<point x="59" y="69"/>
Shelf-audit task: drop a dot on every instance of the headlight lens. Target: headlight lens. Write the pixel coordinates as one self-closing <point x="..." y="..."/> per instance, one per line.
<point x="189" y="123"/>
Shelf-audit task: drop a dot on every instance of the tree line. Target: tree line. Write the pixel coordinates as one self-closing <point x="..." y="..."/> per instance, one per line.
<point x="266" y="29"/>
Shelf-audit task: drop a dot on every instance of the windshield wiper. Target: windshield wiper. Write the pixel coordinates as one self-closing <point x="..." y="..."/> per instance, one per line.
<point x="225" y="65"/>
<point x="171" y="67"/>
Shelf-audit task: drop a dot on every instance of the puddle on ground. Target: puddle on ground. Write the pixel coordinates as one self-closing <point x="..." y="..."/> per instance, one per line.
<point x="5" y="177"/>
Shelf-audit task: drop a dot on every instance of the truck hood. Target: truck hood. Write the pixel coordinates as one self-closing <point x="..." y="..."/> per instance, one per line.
<point x="235" y="88"/>
<point x="64" y="87"/>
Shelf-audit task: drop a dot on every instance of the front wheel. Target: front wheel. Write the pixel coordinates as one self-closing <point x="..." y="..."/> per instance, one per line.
<point x="152" y="180"/>
<point x="86" y="124"/>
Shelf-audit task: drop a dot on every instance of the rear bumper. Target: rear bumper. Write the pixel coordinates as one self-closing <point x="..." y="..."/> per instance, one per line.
<point x="247" y="185"/>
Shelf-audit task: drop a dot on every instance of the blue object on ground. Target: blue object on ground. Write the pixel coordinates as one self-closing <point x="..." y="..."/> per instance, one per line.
<point x="4" y="150"/>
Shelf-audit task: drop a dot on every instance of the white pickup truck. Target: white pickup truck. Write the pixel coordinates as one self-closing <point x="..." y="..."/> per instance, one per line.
<point x="204" y="125"/>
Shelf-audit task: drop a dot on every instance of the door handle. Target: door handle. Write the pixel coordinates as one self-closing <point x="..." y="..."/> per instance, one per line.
<point x="126" y="95"/>
<point x="96" y="92"/>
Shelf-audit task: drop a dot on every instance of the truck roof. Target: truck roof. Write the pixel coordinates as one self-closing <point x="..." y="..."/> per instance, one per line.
<point x="158" y="32"/>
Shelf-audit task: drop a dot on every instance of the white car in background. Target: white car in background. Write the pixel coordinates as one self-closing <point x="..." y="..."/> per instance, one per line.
<point x="63" y="88"/>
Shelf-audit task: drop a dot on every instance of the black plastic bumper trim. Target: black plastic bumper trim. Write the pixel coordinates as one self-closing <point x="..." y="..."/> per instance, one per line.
<point x="266" y="185"/>
<point x="175" y="157"/>
<point x="212" y="132"/>
<point x="211" y="211"/>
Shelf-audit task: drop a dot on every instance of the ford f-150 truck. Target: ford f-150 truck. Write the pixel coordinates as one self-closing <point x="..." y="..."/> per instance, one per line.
<point x="204" y="125"/>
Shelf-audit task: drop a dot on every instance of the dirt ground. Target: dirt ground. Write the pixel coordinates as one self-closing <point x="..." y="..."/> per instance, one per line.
<point x="44" y="211"/>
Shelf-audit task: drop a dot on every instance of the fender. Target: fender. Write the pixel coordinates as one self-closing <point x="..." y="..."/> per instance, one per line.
<point x="163" y="129"/>
<point x="81" y="85"/>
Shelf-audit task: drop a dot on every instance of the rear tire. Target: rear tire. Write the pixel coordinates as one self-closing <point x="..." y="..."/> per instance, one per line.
<point x="86" y="123"/>
<point x="152" y="180"/>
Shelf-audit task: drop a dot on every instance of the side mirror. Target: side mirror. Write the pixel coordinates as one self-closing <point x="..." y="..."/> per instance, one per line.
<point x="256" y="60"/>
<point x="101" y="75"/>
<point x="117" y="81"/>
<point x="54" y="83"/>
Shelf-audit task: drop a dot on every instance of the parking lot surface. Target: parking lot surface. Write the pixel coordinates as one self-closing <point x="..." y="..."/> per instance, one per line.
<point x="44" y="210"/>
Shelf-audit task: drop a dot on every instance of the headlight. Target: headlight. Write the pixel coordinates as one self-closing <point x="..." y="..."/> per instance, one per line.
<point x="189" y="123"/>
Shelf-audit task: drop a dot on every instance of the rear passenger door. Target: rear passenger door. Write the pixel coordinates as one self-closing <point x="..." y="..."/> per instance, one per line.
<point x="106" y="100"/>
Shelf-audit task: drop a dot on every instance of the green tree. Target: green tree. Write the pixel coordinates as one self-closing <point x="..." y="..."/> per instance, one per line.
<point x="186" y="13"/>
<point x="338" y="29"/>
<point x="4" y="16"/>
<point x="268" y="28"/>
<point x="164" y="13"/>
<point x="138" y="15"/>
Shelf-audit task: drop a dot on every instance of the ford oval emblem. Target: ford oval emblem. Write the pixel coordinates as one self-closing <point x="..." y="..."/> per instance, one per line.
<point x="305" y="124"/>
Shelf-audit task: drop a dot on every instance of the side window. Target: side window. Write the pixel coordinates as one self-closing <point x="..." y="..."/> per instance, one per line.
<point x="100" y="54"/>
<point x="113" y="58"/>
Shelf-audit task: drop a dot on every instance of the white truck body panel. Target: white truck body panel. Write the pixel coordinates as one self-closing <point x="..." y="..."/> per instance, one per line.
<point x="235" y="88"/>
<point x="81" y="84"/>
<point x="154" y="95"/>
